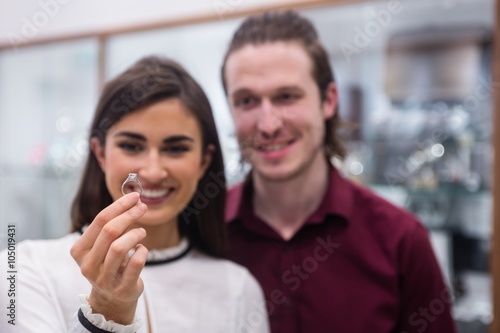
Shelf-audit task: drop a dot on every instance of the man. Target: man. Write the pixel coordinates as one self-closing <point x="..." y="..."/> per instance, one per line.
<point x="330" y="255"/>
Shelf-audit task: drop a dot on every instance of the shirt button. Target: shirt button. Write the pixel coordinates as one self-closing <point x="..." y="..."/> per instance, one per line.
<point x="287" y="303"/>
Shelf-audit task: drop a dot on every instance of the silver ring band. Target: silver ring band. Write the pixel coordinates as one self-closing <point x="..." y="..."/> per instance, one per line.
<point x="132" y="177"/>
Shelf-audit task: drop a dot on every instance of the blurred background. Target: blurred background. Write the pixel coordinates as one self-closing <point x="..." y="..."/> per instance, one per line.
<point x="415" y="87"/>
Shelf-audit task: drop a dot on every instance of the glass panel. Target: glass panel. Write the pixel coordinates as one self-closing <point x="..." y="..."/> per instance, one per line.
<point x="416" y="79"/>
<point x="47" y="97"/>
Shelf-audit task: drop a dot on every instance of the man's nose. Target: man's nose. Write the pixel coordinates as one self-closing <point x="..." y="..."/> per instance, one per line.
<point x="270" y="120"/>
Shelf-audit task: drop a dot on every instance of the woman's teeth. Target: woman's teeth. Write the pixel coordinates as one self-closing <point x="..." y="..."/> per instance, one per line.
<point x="153" y="194"/>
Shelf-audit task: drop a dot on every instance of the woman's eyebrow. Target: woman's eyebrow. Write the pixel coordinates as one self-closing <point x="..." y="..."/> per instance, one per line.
<point x="131" y="135"/>
<point x="170" y="139"/>
<point x="177" y="138"/>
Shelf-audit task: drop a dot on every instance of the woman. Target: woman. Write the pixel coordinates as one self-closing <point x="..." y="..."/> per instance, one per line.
<point x="150" y="262"/>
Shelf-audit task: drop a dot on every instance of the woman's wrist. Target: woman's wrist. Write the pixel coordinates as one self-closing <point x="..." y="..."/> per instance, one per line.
<point x="111" y="308"/>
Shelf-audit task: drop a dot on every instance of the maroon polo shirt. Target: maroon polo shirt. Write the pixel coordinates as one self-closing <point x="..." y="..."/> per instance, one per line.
<point x="358" y="265"/>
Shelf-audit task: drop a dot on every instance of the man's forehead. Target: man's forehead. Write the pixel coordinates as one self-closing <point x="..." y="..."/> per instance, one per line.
<point x="283" y="64"/>
<point x="268" y="52"/>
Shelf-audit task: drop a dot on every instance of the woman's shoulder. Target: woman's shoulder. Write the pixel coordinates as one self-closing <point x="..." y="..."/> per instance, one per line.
<point x="55" y="244"/>
<point x="234" y="274"/>
<point x="39" y="249"/>
<point x="221" y="263"/>
<point x="46" y="263"/>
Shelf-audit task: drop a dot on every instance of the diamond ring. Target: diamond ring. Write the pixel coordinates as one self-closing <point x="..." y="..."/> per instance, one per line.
<point x="131" y="184"/>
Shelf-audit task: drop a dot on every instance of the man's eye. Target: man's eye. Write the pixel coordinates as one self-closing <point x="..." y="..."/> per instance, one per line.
<point x="130" y="147"/>
<point x="286" y="97"/>
<point x="245" y="101"/>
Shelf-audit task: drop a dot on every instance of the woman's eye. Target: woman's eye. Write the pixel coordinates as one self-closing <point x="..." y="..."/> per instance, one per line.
<point x="130" y="147"/>
<point x="176" y="150"/>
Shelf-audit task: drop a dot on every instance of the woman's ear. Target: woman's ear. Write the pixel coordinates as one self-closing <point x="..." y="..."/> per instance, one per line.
<point x="206" y="160"/>
<point x="98" y="151"/>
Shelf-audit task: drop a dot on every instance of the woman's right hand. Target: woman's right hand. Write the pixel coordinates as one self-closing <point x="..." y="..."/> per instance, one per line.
<point x="102" y="253"/>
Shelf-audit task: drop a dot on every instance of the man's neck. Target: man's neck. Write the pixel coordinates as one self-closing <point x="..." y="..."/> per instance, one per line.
<point x="285" y="206"/>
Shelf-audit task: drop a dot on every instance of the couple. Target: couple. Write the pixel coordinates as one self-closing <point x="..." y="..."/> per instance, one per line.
<point x="329" y="255"/>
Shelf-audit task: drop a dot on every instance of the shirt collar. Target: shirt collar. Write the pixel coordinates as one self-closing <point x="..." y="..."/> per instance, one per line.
<point x="338" y="199"/>
<point x="161" y="256"/>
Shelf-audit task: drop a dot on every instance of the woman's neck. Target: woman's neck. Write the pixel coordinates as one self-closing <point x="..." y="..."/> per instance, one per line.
<point x="161" y="236"/>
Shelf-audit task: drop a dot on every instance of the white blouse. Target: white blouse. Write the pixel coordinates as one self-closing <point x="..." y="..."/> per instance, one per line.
<point x="190" y="292"/>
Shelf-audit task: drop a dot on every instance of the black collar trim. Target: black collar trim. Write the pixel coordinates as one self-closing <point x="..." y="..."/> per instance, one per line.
<point x="171" y="259"/>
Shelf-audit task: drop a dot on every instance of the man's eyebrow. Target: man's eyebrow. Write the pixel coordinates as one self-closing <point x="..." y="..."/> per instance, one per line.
<point x="242" y="91"/>
<point x="292" y="87"/>
<point x="279" y="89"/>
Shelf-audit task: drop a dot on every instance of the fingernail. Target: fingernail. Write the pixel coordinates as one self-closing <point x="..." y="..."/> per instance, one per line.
<point x="134" y="196"/>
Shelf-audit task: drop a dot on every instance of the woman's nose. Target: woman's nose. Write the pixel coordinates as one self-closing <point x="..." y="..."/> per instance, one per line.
<point x="154" y="169"/>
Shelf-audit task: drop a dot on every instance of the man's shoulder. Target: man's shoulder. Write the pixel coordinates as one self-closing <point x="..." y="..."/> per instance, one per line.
<point x="233" y="201"/>
<point x="235" y="190"/>
<point x="378" y="209"/>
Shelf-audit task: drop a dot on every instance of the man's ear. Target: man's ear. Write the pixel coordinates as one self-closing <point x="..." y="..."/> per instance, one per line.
<point x="206" y="160"/>
<point x="98" y="151"/>
<point x="329" y="104"/>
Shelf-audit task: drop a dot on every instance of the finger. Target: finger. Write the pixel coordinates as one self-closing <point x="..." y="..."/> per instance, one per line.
<point x="125" y="261"/>
<point x="112" y="211"/>
<point x="129" y="285"/>
<point x="107" y="214"/>
<point x="120" y="249"/>
<point x="110" y="232"/>
<point x="114" y="230"/>
<point x="132" y="271"/>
